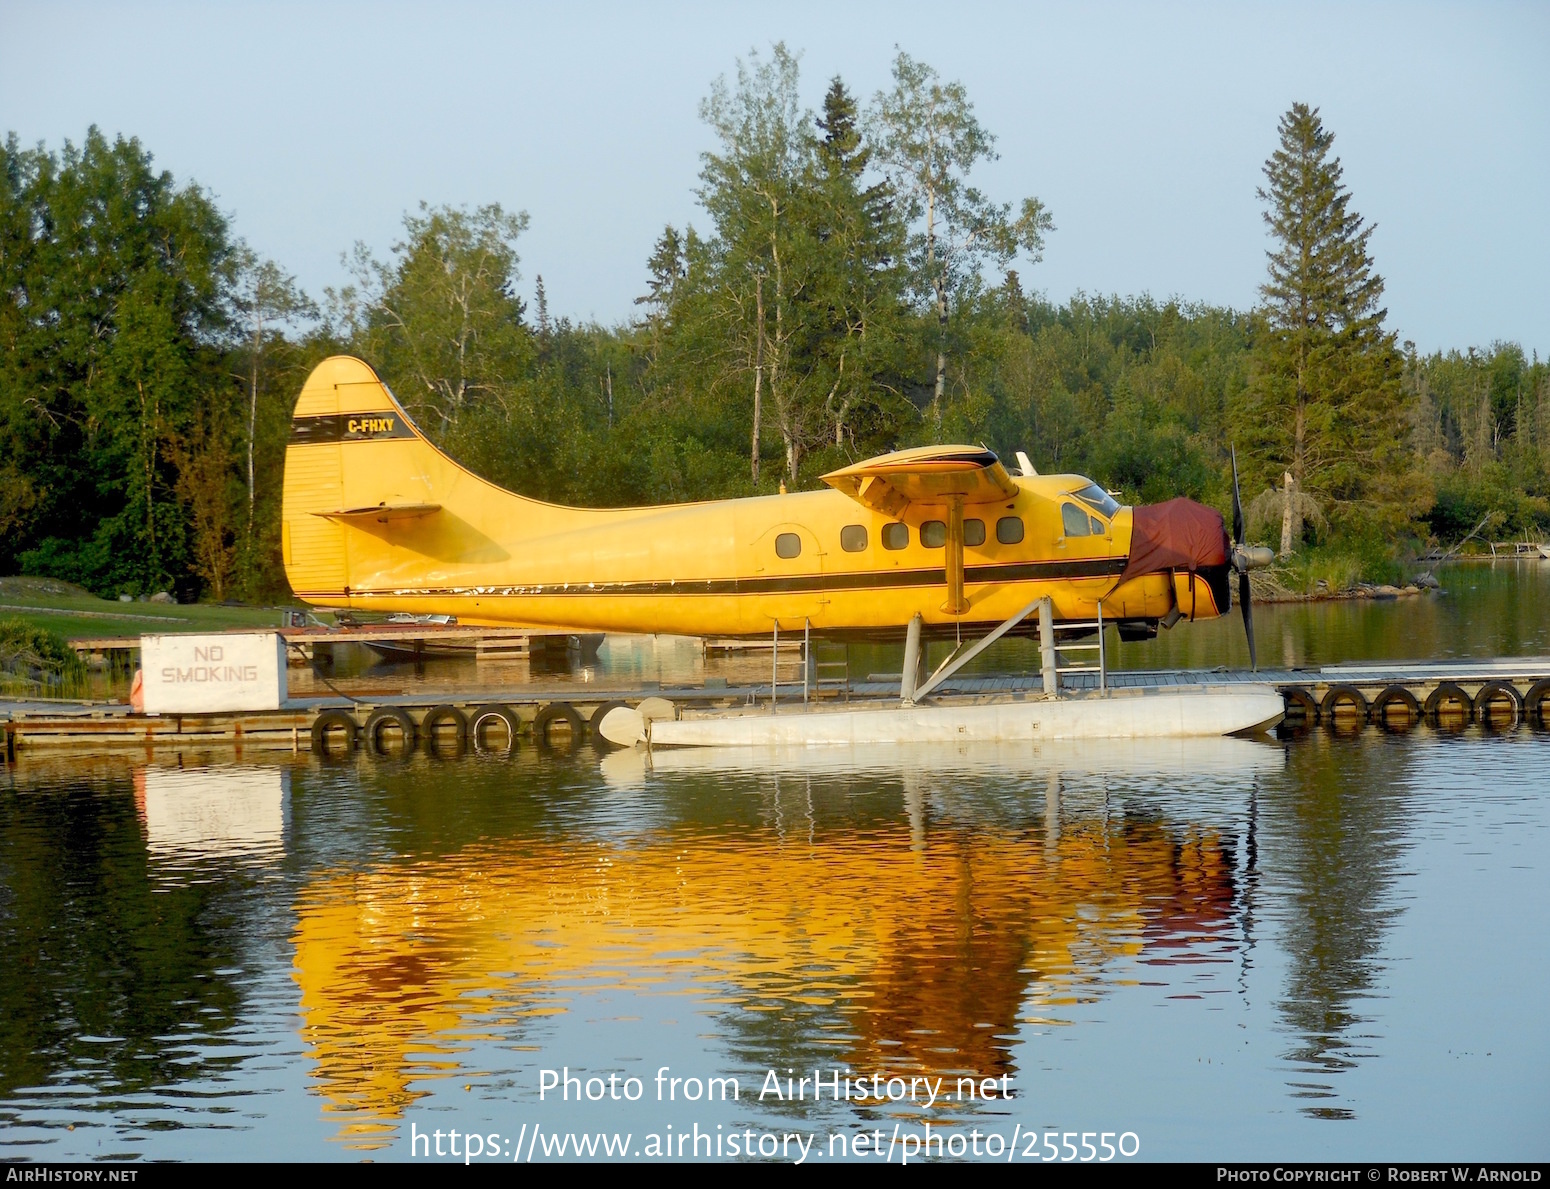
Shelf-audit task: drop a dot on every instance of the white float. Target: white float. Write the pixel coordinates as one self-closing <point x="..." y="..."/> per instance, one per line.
<point x="201" y="674"/>
<point x="1172" y="713"/>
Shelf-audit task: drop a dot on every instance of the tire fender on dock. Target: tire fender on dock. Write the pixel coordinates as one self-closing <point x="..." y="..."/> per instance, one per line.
<point x="1349" y="694"/>
<point x="1296" y="695"/>
<point x="327" y="721"/>
<point x="441" y="715"/>
<point x="595" y="723"/>
<point x="483" y="718"/>
<point x="557" y="712"/>
<point x="1446" y="692"/>
<point x="378" y="719"/>
<point x="1534" y="702"/>
<point x="1391" y="695"/>
<point x="1498" y="691"/>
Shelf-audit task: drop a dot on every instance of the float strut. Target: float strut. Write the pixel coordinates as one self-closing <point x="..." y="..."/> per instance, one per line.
<point x="911" y="662"/>
<point x="1047" y="648"/>
<point x="807" y="659"/>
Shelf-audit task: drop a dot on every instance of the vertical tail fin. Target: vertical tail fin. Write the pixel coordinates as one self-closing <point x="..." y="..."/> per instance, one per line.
<point x="348" y="447"/>
<point x="372" y="509"/>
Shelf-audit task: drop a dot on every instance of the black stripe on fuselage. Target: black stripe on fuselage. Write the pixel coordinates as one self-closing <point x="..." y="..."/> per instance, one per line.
<point x="1036" y="571"/>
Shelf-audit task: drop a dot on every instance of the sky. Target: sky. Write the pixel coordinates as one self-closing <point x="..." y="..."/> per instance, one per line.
<point x="1143" y="128"/>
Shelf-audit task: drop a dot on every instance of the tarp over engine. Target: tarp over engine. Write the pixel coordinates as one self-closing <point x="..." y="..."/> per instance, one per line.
<point x="1177" y="535"/>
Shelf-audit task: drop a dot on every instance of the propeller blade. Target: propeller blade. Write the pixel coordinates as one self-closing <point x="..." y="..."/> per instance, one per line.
<point x="1243" y="561"/>
<point x="1247" y="606"/>
<point x="1237" y="502"/>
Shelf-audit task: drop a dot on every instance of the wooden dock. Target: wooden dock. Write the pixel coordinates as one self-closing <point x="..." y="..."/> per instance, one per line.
<point x="1523" y="550"/>
<point x="1498" y="694"/>
<point x="384" y="724"/>
<point x="743" y="645"/>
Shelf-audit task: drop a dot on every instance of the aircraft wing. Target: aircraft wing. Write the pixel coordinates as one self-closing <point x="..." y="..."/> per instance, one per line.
<point x="926" y="474"/>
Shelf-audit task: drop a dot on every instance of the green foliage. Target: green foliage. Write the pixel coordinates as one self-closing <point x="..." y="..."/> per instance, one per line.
<point x="113" y="285"/>
<point x="1129" y="391"/>
<point x="267" y="303"/>
<point x="34" y="660"/>
<point x="1331" y="568"/>
<point x="1482" y="432"/>
<point x="851" y="292"/>
<point x="441" y="320"/>
<point x="794" y="303"/>
<point x="123" y="298"/>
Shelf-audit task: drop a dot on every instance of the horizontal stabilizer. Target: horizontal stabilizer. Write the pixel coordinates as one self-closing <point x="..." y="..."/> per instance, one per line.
<point x="382" y="512"/>
<point x="925" y="475"/>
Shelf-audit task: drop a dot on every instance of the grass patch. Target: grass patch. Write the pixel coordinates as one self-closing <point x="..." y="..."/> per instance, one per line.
<point x="70" y="611"/>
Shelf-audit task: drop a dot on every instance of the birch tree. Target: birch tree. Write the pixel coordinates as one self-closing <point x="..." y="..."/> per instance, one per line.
<point x="267" y="300"/>
<point x="929" y="141"/>
<point x="441" y="319"/>
<point x="755" y="187"/>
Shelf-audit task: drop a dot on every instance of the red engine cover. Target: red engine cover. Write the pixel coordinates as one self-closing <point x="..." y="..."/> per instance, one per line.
<point x="1177" y="535"/>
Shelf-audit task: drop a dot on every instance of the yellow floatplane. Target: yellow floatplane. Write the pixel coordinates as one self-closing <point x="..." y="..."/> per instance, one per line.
<point x="937" y="541"/>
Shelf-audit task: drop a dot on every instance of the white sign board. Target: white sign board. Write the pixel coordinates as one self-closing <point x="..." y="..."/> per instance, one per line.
<point x="189" y="674"/>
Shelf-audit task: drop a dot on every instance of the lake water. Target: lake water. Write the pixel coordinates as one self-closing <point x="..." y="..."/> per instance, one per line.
<point x="1330" y="946"/>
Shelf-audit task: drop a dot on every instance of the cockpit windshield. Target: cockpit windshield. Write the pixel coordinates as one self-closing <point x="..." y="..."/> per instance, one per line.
<point x="1098" y="499"/>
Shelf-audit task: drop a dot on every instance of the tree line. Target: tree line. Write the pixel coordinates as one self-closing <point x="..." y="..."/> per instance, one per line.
<point x="851" y="291"/>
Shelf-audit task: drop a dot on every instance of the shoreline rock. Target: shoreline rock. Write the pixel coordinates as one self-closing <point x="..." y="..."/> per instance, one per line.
<point x="1362" y="590"/>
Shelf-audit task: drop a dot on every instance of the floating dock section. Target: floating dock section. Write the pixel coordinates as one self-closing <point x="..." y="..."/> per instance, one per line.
<point x="1498" y="694"/>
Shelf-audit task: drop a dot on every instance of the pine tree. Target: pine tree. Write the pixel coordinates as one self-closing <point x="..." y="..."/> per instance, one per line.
<point x="666" y="268"/>
<point x="541" y="300"/>
<point x="841" y="149"/>
<point x="1325" y="410"/>
<point x="858" y="344"/>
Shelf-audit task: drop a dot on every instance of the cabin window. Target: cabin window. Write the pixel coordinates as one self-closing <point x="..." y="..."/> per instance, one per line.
<point x="1009" y="530"/>
<point x="1075" y="521"/>
<point x="973" y="532"/>
<point x="1098" y="526"/>
<point x="853" y="538"/>
<point x="1098" y="498"/>
<point x="896" y="536"/>
<point x="788" y="545"/>
<point x="933" y="534"/>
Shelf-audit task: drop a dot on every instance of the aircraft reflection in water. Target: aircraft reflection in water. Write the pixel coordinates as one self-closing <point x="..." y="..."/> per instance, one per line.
<point x="907" y="945"/>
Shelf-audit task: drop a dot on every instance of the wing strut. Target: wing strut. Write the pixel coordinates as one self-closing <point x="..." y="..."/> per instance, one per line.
<point x="956" y="604"/>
